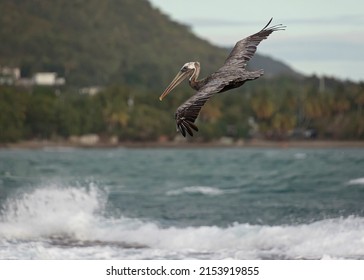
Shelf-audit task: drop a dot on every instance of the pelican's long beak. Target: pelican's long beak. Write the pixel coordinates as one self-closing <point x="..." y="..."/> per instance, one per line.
<point x="176" y="81"/>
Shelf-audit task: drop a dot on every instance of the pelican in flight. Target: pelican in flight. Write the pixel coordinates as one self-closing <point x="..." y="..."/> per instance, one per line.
<point x="231" y="75"/>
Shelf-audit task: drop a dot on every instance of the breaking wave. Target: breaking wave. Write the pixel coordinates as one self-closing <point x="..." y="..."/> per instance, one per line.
<point x="197" y="190"/>
<point x="57" y="222"/>
<point x="358" y="181"/>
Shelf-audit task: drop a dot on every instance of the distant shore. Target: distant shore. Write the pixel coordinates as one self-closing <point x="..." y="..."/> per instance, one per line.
<point x="243" y="144"/>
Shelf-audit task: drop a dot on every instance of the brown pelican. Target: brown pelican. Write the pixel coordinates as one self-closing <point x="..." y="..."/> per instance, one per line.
<point x="231" y="75"/>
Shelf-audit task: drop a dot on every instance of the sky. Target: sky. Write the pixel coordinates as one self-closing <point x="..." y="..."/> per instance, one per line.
<point x="323" y="37"/>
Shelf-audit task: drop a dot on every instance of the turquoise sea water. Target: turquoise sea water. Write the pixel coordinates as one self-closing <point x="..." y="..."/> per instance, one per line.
<point x="240" y="203"/>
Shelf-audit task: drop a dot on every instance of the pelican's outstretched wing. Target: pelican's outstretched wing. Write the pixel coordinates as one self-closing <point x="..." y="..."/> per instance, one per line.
<point x="245" y="48"/>
<point x="187" y="113"/>
<point x="218" y="81"/>
<point x="231" y="75"/>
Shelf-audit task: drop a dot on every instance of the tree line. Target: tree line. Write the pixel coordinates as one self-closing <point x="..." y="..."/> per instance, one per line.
<point x="275" y="109"/>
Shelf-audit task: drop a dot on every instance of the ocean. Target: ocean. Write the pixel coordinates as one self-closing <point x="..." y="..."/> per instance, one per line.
<point x="182" y="203"/>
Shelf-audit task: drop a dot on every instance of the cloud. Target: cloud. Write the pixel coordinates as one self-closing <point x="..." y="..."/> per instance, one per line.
<point x="213" y="22"/>
<point x="324" y="47"/>
<point x="348" y="19"/>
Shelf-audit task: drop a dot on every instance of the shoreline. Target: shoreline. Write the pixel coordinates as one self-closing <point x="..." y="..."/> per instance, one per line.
<point x="240" y="144"/>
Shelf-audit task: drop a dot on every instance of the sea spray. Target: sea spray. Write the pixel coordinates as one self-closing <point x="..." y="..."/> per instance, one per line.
<point x="182" y="204"/>
<point x="52" y="210"/>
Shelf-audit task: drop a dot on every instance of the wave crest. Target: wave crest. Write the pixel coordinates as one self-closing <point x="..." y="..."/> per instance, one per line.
<point x="52" y="210"/>
<point x="45" y="222"/>
<point x="197" y="190"/>
<point x="358" y="181"/>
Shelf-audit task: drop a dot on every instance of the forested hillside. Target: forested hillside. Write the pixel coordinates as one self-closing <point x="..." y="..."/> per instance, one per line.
<point x="133" y="51"/>
<point x="275" y="109"/>
<point x="96" y="42"/>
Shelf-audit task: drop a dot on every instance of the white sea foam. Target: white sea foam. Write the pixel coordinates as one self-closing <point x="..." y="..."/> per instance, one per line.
<point x="51" y="210"/>
<point x="300" y="155"/>
<point x="69" y="223"/>
<point x="358" y="181"/>
<point x="205" y="190"/>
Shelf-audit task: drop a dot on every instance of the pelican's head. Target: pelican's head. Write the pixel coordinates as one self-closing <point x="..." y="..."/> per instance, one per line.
<point x="187" y="70"/>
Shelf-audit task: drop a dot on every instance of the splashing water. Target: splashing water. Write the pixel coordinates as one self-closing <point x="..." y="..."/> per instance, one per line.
<point x="51" y="211"/>
<point x="68" y="222"/>
<point x="186" y="204"/>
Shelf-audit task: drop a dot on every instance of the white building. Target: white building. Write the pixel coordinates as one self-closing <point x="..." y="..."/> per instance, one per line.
<point x="9" y="75"/>
<point x="48" y="79"/>
<point x="92" y="90"/>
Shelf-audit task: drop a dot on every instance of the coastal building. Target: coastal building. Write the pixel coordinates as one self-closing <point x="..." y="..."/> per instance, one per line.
<point x="12" y="76"/>
<point x="92" y="90"/>
<point x="48" y="79"/>
<point x="9" y="75"/>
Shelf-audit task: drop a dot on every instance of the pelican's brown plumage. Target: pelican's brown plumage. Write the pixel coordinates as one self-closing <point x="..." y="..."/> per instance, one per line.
<point x="231" y="75"/>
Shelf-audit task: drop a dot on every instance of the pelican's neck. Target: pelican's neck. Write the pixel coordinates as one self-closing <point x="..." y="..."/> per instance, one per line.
<point x="194" y="83"/>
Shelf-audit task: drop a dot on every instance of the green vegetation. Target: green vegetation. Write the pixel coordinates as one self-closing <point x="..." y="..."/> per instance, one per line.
<point x="93" y="42"/>
<point x="279" y="108"/>
<point x="96" y="42"/>
<point x="133" y="51"/>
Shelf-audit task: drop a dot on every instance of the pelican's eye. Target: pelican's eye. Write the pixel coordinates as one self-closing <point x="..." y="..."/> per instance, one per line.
<point x="184" y="69"/>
